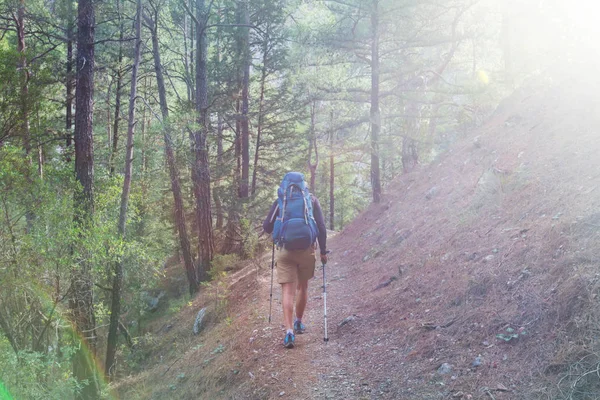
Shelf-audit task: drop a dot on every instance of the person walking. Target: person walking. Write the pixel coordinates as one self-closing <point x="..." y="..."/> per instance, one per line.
<point x="296" y="223"/>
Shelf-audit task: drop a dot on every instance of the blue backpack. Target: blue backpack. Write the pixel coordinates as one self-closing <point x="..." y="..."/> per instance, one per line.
<point x="295" y="227"/>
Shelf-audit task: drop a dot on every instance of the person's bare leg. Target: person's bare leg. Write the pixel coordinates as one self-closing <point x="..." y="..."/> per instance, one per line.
<point x="288" y="291"/>
<point x="301" y="299"/>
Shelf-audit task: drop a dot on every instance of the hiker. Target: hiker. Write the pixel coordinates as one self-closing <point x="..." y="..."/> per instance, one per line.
<point x="295" y="232"/>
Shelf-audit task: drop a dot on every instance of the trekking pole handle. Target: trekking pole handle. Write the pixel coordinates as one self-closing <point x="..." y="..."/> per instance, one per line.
<point x="327" y="252"/>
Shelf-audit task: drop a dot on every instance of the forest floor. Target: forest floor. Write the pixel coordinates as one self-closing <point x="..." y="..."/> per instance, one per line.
<point x="476" y="278"/>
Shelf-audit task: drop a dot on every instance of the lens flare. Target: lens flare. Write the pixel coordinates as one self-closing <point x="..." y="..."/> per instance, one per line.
<point x="4" y="395"/>
<point x="483" y="77"/>
<point x="93" y="362"/>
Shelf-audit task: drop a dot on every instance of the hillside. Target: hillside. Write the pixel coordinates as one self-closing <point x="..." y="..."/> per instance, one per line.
<point x="499" y="236"/>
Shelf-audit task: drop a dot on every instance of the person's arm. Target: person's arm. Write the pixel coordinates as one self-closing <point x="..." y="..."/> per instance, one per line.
<point x="269" y="222"/>
<point x="320" y="220"/>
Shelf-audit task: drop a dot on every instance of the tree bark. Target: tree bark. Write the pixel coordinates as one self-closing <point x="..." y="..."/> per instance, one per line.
<point x="81" y="301"/>
<point x="131" y="123"/>
<point x="115" y="308"/>
<point x="117" y="119"/>
<point x="201" y="169"/>
<point x="216" y="196"/>
<point x="261" y="117"/>
<point x="24" y="99"/>
<point x="184" y="241"/>
<point x="40" y="159"/>
<point x="25" y="80"/>
<point x="410" y="154"/>
<point x="186" y="65"/>
<point x="313" y="143"/>
<point x="245" y="43"/>
<point x="238" y="120"/>
<point x="375" y="112"/>
<point x="143" y="208"/>
<point x="220" y="167"/>
<point x="331" y="178"/>
<point x="109" y="117"/>
<point x="192" y="64"/>
<point x="69" y="80"/>
<point x="233" y="242"/>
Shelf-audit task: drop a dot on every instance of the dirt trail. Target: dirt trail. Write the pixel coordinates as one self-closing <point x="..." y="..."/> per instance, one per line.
<point x="313" y="369"/>
<point x="350" y="365"/>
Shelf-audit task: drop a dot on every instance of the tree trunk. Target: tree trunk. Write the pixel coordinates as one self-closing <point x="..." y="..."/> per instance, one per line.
<point x="375" y="112"/>
<point x="313" y="143"/>
<point x="22" y="66"/>
<point x="184" y="241"/>
<point x="40" y="159"/>
<point x="202" y="168"/>
<point x="109" y="118"/>
<point x="261" y="100"/>
<point x="410" y="154"/>
<point x="233" y="242"/>
<point x="192" y="65"/>
<point x="24" y="117"/>
<point x="237" y="144"/>
<point x="238" y="112"/>
<point x="81" y="302"/>
<point x="331" y="179"/>
<point x="244" y="183"/>
<point x="186" y="65"/>
<point x="216" y="196"/>
<point x="117" y="119"/>
<point x="115" y="308"/>
<point x="143" y="208"/>
<point x="220" y="167"/>
<point x="69" y="80"/>
<point x="131" y="124"/>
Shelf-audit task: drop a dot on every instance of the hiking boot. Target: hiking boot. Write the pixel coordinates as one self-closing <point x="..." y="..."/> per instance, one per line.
<point x="299" y="328"/>
<point x="288" y="342"/>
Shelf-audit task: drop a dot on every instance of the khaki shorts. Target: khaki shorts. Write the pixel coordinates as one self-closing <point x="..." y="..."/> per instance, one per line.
<point x="295" y="265"/>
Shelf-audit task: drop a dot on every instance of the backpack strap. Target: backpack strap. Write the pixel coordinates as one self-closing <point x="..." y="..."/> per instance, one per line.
<point x="305" y="208"/>
<point x="284" y="204"/>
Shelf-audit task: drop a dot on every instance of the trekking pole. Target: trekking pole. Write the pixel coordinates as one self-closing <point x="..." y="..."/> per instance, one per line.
<point x="271" y="294"/>
<point x="325" y="338"/>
